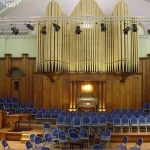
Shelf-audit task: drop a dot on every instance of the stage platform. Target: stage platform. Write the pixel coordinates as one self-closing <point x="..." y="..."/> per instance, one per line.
<point x="24" y="132"/>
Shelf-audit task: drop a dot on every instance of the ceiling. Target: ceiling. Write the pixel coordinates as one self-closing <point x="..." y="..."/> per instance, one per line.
<point x="29" y="8"/>
<point x="38" y="7"/>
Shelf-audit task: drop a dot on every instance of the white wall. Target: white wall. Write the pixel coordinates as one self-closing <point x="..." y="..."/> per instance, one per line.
<point x="144" y="42"/>
<point x="144" y="45"/>
<point x="17" y="45"/>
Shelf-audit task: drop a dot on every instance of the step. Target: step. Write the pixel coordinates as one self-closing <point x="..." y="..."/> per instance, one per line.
<point x="24" y="137"/>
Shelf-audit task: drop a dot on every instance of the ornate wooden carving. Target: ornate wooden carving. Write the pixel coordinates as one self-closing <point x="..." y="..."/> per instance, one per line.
<point x="53" y="76"/>
<point x="123" y="76"/>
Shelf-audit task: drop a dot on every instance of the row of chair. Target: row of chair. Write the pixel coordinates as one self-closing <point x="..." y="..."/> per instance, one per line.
<point x="11" y="107"/>
<point x="36" y="142"/>
<point x="57" y="136"/>
<point x="104" y="122"/>
<point x="123" y="145"/>
<point x="42" y="115"/>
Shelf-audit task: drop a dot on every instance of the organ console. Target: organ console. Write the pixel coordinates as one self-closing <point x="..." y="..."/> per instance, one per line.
<point x="87" y="100"/>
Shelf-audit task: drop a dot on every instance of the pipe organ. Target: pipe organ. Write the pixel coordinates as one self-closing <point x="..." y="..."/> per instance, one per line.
<point x="92" y="50"/>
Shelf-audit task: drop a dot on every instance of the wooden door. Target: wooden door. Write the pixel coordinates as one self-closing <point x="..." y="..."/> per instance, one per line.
<point x="16" y="88"/>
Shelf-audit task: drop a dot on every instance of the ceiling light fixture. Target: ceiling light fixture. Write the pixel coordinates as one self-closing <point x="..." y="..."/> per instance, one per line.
<point x="30" y="27"/>
<point x="14" y="30"/>
<point x="43" y="30"/>
<point x="126" y="30"/>
<point x="11" y="3"/>
<point x="134" y="28"/>
<point x="78" y="30"/>
<point x="56" y="27"/>
<point x="103" y="27"/>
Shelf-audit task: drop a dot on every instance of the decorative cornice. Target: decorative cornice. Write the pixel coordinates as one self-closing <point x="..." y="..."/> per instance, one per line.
<point x="17" y="36"/>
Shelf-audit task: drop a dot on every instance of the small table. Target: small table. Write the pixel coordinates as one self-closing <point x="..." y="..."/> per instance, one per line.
<point x="76" y="143"/>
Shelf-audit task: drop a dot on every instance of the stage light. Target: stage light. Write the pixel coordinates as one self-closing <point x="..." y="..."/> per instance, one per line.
<point x="43" y="30"/>
<point x="14" y="30"/>
<point x="134" y="28"/>
<point x="30" y="27"/>
<point x="78" y="30"/>
<point x="126" y="30"/>
<point x="56" y="27"/>
<point x="103" y="27"/>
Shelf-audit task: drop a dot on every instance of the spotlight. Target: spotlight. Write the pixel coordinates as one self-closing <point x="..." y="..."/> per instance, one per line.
<point x="134" y="28"/>
<point x="78" y="30"/>
<point x="14" y="30"/>
<point x="30" y="27"/>
<point x="103" y="27"/>
<point x="43" y="30"/>
<point x="126" y="30"/>
<point x="56" y="27"/>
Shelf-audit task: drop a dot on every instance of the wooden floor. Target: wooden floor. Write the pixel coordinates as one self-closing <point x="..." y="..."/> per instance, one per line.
<point x="14" y="138"/>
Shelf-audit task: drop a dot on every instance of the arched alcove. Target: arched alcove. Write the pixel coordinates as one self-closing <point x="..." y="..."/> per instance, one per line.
<point x="15" y="72"/>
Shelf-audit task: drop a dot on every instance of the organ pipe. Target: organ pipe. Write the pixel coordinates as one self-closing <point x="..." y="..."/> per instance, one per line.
<point x="91" y="50"/>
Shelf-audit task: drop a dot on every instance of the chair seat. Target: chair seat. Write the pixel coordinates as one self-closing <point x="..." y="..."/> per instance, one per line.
<point x="74" y="139"/>
<point x="52" y="142"/>
<point x="122" y="147"/>
<point x="63" y="141"/>
<point x="134" y="148"/>
<point x="39" y="147"/>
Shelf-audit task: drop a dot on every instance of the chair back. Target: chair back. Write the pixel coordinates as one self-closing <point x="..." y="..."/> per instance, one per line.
<point x="125" y="121"/>
<point x="139" y="142"/>
<point x="48" y="137"/>
<point x="106" y="134"/>
<point x="38" y="140"/>
<point x="125" y="140"/>
<point x="29" y="145"/>
<point x="4" y="143"/>
<point x="32" y="137"/>
<point x="62" y="135"/>
<point x="55" y="132"/>
<point x="142" y="120"/>
<point x="46" y="125"/>
<point x="97" y="147"/>
<point x="83" y="133"/>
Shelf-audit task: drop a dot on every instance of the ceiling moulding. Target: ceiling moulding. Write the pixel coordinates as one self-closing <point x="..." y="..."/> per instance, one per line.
<point x="147" y="1"/>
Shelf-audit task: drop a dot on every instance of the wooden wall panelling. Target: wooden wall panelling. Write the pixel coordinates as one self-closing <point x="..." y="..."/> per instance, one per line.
<point x="123" y="95"/>
<point x="65" y="92"/>
<point x="7" y="83"/>
<point x="111" y="92"/>
<point x="46" y="93"/>
<point x="109" y="100"/>
<point x="100" y="100"/>
<point x="27" y="66"/>
<point x="2" y="77"/>
<point x="145" y="70"/>
<point x="31" y="69"/>
<point x="38" y="90"/>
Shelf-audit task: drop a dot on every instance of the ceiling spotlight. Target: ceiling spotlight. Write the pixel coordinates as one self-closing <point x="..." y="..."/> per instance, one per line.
<point x="56" y="27"/>
<point x="14" y="30"/>
<point x="134" y="28"/>
<point x="148" y="31"/>
<point x="103" y="27"/>
<point x="43" y="30"/>
<point x="30" y="27"/>
<point x="78" y="30"/>
<point x="126" y="30"/>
